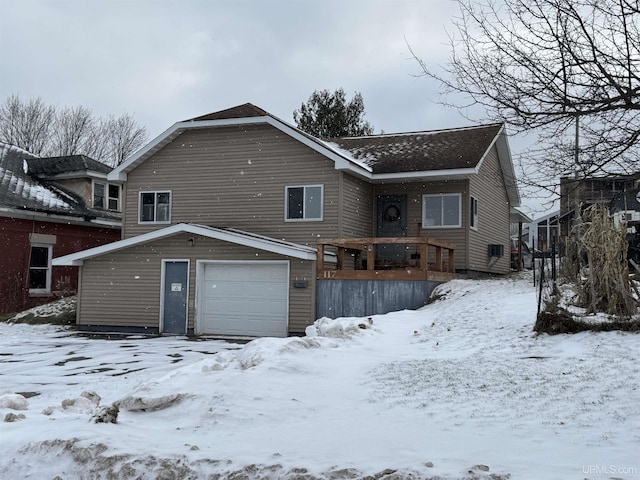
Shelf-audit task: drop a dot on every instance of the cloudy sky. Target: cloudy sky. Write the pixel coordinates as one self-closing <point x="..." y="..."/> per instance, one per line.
<point x="165" y="61"/>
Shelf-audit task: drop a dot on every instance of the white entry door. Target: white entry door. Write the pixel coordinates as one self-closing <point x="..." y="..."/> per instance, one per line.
<point x="244" y="298"/>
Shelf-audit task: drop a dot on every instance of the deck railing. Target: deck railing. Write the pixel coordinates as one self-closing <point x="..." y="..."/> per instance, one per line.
<point x="416" y="258"/>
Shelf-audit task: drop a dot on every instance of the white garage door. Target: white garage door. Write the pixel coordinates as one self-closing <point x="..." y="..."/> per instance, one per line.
<point x="244" y="298"/>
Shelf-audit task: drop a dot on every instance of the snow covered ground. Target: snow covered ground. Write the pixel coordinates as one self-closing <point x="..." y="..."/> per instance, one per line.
<point x="462" y="388"/>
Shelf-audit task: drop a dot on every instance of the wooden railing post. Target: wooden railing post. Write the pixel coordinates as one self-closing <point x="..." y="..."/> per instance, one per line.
<point x="371" y="257"/>
<point x="340" y="263"/>
<point x="424" y="256"/>
<point x="320" y="260"/>
<point x="439" y="258"/>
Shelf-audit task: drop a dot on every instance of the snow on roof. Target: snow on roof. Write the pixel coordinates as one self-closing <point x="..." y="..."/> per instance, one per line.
<point x="19" y="190"/>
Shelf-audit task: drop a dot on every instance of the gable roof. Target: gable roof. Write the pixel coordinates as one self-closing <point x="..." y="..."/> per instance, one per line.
<point x="459" y="148"/>
<point x="418" y="156"/>
<point x="241" y="111"/>
<point x="22" y="193"/>
<point x="231" y="235"/>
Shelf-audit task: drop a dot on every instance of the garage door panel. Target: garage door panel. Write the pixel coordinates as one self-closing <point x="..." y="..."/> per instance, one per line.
<point x="245" y="299"/>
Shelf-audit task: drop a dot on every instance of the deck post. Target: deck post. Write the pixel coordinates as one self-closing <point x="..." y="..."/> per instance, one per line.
<point x="371" y="257"/>
<point x="340" y="264"/>
<point x="424" y="256"/>
<point x="438" y="258"/>
<point x="320" y="260"/>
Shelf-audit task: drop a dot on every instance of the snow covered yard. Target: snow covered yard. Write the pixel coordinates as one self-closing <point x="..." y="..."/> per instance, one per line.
<point x="462" y="388"/>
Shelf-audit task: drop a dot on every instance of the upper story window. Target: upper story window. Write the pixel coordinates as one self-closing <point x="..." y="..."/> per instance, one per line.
<point x="442" y="210"/>
<point x="303" y="203"/>
<point x="473" y="213"/>
<point x="40" y="268"/>
<point x="106" y="196"/>
<point x="154" y="207"/>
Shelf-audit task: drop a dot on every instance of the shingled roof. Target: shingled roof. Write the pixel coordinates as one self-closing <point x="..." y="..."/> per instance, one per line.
<point x="459" y="148"/>
<point x="52" y="166"/>
<point x="241" y="111"/>
<point x="21" y="190"/>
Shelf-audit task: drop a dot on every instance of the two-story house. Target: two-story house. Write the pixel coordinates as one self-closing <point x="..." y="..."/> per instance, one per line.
<point x="224" y="215"/>
<point x="50" y="207"/>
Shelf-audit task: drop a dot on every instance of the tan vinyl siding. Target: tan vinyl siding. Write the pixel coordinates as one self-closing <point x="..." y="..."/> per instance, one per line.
<point x="357" y="207"/>
<point x="123" y="288"/>
<point x="414" y="192"/>
<point x="236" y="177"/>
<point x="493" y="217"/>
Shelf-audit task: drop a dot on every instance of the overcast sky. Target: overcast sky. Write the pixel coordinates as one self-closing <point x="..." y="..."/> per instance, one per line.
<point x="165" y="61"/>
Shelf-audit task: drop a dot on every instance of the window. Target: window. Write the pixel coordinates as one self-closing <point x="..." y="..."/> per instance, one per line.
<point x="303" y="203"/>
<point x="114" y="198"/>
<point x="441" y="211"/>
<point x="98" y="195"/>
<point x="40" y="269"/>
<point x="106" y="196"/>
<point x="155" y="207"/>
<point x="473" y="213"/>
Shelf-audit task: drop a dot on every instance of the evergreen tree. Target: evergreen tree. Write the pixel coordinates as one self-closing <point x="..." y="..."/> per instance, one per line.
<point x="328" y="115"/>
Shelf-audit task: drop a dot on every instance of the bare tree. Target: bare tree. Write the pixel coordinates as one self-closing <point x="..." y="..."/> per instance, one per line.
<point x="48" y="131"/>
<point x="73" y="130"/>
<point x="123" y="137"/>
<point x="564" y="69"/>
<point x="26" y="125"/>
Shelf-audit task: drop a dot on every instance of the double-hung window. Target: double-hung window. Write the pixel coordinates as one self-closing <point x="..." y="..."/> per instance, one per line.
<point x="106" y="196"/>
<point x="40" y="268"/>
<point x="441" y="210"/>
<point x="303" y="203"/>
<point x="154" y="207"/>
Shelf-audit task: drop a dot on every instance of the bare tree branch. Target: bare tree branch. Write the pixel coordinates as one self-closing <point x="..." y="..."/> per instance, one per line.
<point x="538" y="64"/>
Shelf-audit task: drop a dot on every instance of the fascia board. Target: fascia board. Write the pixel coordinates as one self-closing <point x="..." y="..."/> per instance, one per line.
<point x="260" y="244"/>
<point x="119" y="174"/>
<point x="506" y="165"/>
<point x="253" y="242"/>
<point x="56" y="218"/>
<point x="454" y="173"/>
<point x="508" y="171"/>
<point x="74" y="175"/>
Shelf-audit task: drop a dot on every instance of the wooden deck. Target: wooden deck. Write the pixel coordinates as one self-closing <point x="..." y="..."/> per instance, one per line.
<point x="423" y="258"/>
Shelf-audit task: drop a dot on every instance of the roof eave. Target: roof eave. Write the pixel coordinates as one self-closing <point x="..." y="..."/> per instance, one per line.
<point x="42" y="216"/>
<point x="506" y="164"/>
<point x="261" y="243"/>
<point x="119" y="174"/>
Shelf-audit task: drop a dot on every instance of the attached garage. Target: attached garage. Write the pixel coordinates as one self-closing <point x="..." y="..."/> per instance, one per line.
<point x="189" y="278"/>
<point x="243" y="298"/>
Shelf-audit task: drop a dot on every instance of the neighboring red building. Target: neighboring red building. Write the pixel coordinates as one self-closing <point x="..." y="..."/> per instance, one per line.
<point x="50" y="207"/>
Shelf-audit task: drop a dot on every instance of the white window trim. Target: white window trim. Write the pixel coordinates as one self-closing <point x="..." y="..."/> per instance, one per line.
<point x="473" y="214"/>
<point x="106" y="186"/>
<point x="49" y="248"/>
<point x="118" y="199"/>
<point x="433" y="195"/>
<point x="93" y="194"/>
<point x="304" y="187"/>
<point x="154" y="222"/>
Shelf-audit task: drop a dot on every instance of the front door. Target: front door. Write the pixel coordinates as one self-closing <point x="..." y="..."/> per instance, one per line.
<point x="175" y="294"/>
<point x="391" y="222"/>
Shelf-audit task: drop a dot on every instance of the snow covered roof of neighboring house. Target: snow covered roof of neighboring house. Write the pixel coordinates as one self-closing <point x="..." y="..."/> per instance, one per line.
<point x="231" y="235"/>
<point x="23" y="192"/>
<point x="56" y="166"/>
<point x="418" y="156"/>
